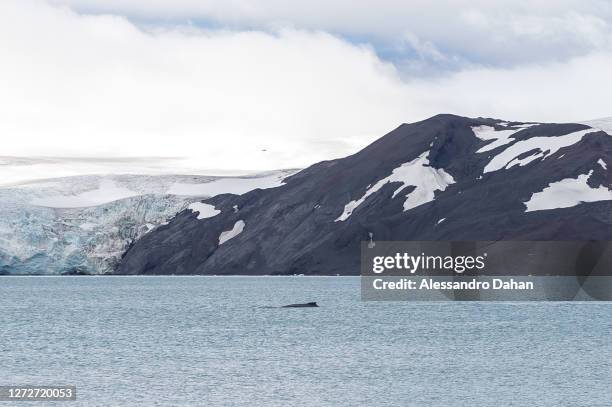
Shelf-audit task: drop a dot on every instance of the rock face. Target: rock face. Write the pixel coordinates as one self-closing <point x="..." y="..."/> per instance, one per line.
<point x="445" y="178"/>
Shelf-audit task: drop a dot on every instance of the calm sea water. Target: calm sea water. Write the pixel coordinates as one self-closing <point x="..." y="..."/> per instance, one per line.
<point x="169" y="341"/>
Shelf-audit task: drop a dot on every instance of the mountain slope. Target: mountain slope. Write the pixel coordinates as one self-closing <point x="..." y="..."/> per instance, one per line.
<point x="445" y="178"/>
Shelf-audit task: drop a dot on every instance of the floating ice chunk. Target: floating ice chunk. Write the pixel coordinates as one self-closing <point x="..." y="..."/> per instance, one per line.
<point x="602" y="163"/>
<point x="204" y="210"/>
<point x="417" y="173"/>
<point x="230" y="234"/>
<point x="567" y="193"/>
<point x="546" y="146"/>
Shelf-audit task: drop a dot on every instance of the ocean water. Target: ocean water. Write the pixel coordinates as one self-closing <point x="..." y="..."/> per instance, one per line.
<point x="209" y="341"/>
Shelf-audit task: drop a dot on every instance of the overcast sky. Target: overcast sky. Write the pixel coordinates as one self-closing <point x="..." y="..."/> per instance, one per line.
<point x="256" y="85"/>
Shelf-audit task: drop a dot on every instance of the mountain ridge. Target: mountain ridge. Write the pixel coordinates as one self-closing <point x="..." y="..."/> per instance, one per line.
<point x="481" y="174"/>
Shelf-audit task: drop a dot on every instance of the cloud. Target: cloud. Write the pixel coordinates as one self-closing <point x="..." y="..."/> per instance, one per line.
<point x="99" y="85"/>
<point x="557" y="92"/>
<point x="498" y="33"/>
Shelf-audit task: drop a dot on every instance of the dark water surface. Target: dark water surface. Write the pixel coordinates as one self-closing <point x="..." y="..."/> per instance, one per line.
<point x="208" y="341"/>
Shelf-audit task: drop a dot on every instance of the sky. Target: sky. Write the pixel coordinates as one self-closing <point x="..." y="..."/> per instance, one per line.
<point x="258" y="85"/>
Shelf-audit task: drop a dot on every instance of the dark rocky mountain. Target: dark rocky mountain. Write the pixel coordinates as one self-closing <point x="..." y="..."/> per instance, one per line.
<point x="444" y="178"/>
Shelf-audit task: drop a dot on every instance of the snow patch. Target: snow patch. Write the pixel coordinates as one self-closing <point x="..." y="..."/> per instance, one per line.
<point x="204" y="210"/>
<point x="567" y="193"/>
<point x="107" y="191"/>
<point x="417" y="173"/>
<point x="546" y="146"/>
<point x="523" y="161"/>
<point x="230" y="234"/>
<point x="501" y="137"/>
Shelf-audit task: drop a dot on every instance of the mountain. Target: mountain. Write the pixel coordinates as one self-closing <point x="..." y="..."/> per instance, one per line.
<point x="84" y="224"/>
<point x="444" y="178"/>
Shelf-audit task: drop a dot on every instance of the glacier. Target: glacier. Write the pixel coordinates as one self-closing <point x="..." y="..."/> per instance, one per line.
<point x="84" y="224"/>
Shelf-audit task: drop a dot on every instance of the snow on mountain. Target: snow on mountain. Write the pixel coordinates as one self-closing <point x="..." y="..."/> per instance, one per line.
<point x="232" y="233"/>
<point x="567" y="193"/>
<point x="444" y="178"/>
<point x="203" y="210"/>
<point x="229" y="185"/>
<point x="417" y="173"/>
<point x="500" y="137"/>
<point x="85" y="223"/>
<point x="539" y="147"/>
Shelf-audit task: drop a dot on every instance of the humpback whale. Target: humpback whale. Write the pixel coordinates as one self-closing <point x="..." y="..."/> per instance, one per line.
<point x="308" y="304"/>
